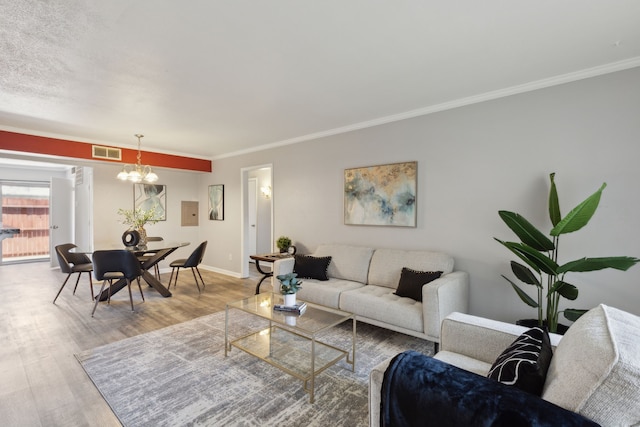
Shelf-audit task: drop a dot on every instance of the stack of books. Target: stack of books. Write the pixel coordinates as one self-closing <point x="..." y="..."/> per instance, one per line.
<point x="298" y="308"/>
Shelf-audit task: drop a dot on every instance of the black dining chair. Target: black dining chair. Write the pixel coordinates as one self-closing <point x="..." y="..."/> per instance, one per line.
<point x="72" y="263"/>
<point x="192" y="262"/>
<point x="116" y="265"/>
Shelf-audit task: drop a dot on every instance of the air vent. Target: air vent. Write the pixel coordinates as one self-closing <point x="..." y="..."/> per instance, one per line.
<point x="108" y="153"/>
<point x="79" y="174"/>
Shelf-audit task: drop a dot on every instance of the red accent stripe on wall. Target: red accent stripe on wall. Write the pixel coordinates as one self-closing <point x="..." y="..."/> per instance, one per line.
<point x="13" y="141"/>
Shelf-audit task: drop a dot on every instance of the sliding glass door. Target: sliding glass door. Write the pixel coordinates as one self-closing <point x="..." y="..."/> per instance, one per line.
<point x="25" y="205"/>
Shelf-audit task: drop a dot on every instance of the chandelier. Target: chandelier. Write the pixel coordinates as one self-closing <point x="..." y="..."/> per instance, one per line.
<point x="137" y="172"/>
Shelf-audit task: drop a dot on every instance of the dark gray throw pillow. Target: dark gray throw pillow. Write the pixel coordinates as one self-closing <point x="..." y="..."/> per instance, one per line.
<point x="525" y="362"/>
<point x="311" y="267"/>
<point x="411" y="281"/>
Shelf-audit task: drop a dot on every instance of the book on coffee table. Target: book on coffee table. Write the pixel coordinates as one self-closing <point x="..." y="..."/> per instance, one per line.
<point x="298" y="308"/>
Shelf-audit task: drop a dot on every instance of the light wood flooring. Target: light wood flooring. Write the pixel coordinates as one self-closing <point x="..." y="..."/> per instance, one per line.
<point x="41" y="382"/>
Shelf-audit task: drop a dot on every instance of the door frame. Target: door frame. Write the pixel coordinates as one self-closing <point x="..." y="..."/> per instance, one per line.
<point x="252" y="195"/>
<point x="61" y="214"/>
<point x="244" y="223"/>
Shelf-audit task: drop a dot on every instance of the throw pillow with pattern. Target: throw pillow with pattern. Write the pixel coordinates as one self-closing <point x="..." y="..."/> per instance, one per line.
<point x="525" y="362"/>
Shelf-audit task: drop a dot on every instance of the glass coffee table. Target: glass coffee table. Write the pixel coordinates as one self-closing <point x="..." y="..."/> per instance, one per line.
<point x="290" y="342"/>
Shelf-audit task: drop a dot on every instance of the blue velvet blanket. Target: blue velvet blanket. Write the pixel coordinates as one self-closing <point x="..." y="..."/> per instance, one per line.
<point x="418" y="390"/>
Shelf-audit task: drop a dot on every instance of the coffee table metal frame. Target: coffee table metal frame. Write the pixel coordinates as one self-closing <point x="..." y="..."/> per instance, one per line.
<point x="292" y="346"/>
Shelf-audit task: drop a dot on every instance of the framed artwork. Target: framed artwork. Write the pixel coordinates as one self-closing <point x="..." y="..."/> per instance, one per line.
<point x="381" y="195"/>
<point x="216" y="202"/>
<point x="147" y="196"/>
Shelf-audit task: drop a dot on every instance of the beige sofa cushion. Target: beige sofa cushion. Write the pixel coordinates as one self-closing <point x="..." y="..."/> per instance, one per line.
<point x="386" y="265"/>
<point x="326" y="293"/>
<point x="380" y="303"/>
<point x="347" y="262"/>
<point x="595" y="370"/>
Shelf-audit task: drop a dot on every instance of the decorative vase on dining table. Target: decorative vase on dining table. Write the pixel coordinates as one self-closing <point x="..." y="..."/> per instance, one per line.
<point x="143" y="236"/>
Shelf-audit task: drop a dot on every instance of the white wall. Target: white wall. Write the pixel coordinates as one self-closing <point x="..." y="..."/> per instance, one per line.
<point x="472" y="161"/>
<point x="83" y="215"/>
<point x="12" y="173"/>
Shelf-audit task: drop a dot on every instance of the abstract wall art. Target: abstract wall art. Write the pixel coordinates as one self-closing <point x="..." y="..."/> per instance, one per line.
<point x="381" y="195"/>
<point x="216" y="202"/>
<point x="148" y="196"/>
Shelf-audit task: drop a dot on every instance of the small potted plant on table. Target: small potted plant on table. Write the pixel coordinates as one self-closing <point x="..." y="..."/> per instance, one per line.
<point x="289" y="286"/>
<point x="283" y="243"/>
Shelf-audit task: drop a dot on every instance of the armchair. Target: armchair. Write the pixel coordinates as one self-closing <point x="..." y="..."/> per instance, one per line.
<point x="594" y="376"/>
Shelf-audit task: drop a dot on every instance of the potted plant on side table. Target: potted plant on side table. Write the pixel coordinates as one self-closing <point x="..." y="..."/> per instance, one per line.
<point x="283" y="243"/>
<point x="541" y="263"/>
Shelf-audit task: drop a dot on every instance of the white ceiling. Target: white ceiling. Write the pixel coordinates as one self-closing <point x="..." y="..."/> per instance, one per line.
<point x="207" y="78"/>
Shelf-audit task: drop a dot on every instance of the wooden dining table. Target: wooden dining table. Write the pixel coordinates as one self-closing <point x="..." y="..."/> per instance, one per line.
<point x="156" y="251"/>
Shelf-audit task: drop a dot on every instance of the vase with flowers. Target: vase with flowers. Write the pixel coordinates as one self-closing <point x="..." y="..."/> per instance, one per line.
<point x="136" y="219"/>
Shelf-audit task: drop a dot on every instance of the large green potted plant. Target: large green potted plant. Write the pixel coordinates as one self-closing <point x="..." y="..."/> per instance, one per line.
<point x="541" y="266"/>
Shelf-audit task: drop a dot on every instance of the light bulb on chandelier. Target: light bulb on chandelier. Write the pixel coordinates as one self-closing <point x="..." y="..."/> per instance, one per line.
<point x="137" y="172"/>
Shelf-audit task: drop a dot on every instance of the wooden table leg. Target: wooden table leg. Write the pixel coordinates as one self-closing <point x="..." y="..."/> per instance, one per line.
<point x="117" y="286"/>
<point x="155" y="284"/>
<point x="148" y="277"/>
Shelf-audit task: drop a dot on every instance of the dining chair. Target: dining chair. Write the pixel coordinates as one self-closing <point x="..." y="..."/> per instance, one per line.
<point x="145" y="257"/>
<point x="72" y="263"/>
<point x="192" y="262"/>
<point x="119" y="264"/>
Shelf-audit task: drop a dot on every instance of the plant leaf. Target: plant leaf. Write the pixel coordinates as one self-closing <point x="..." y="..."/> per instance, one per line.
<point x="510" y="246"/>
<point x="573" y="314"/>
<point x="580" y="215"/>
<point x="565" y="289"/>
<point x="554" y="203"/>
<point x="522" y="294"/>
<point x="525" y="231"/>
<point x="622" y="263"/>
<point x="524" y="274"/>
<point x="535" y="259"/>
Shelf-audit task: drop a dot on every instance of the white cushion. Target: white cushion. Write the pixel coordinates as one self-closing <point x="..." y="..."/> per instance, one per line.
<point x="347" y="262"/>
<point x="386" y="265"/>
<point x="325" y="292"/>
<point x="595" y="370"/>
<point x="379" y="303"/>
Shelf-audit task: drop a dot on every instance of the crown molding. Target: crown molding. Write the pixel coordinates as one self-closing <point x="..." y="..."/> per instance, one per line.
<point x="475" y="99"/>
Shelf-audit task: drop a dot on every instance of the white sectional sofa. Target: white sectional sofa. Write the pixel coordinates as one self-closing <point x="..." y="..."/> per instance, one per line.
<point x="363" y="280"/>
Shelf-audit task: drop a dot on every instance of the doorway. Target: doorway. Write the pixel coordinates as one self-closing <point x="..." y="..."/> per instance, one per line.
<point x="71" y="201"/>
<point x="252" y="211"/>
<point x="25" y="206"/>
<point x="257" y="203"/>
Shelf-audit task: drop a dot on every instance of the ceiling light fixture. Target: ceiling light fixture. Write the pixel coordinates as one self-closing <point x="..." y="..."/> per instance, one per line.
<point x="137" y="172"/>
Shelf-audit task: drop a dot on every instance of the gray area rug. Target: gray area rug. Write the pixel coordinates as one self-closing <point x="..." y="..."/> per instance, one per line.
<point x="179" y="376"/>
